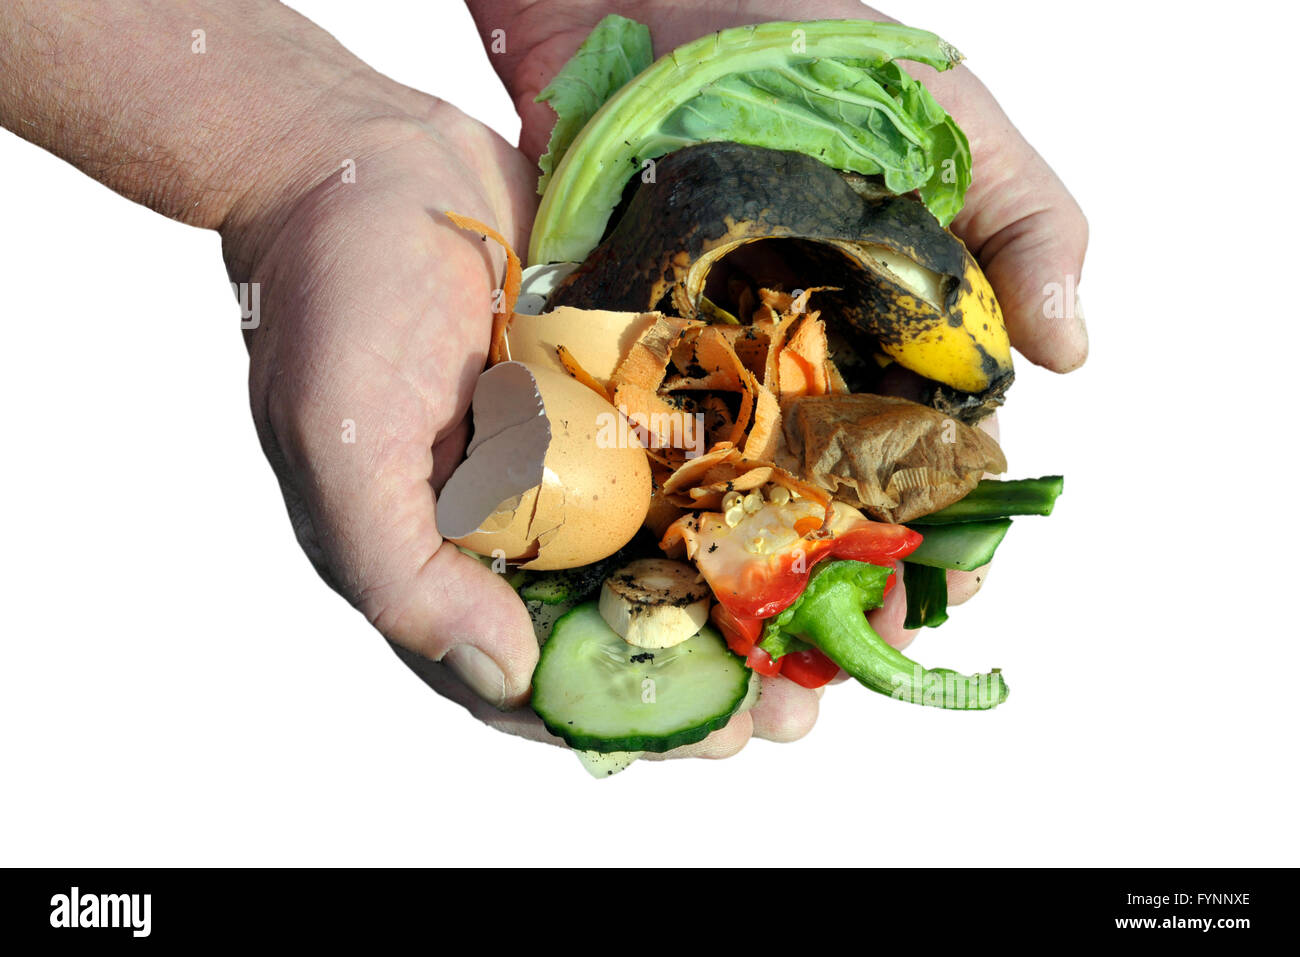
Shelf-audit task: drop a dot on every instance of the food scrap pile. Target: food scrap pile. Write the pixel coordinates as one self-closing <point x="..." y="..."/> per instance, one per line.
<point x="774" y="408"/>
<point x="760" y="373"/>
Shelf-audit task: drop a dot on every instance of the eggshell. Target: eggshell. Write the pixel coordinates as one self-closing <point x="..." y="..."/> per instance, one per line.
<point x="598" y="339"/>
<point x="505" y="458"/>
<point x="594" y="493"/>
<point x="536" y="284"/>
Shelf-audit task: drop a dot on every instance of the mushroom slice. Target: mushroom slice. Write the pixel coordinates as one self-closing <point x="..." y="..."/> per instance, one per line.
<point x="655" y="602"/>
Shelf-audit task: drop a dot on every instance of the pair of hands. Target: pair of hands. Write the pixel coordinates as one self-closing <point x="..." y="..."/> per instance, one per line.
<point x="376" y="314"/>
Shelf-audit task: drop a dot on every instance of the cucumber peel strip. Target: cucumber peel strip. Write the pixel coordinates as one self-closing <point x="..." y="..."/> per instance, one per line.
<point x="963" y="547"/>
<point x="927" y="595"/>
<point x="994" y="499"/>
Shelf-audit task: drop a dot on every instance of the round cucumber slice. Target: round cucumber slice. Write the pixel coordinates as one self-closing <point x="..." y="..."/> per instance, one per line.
<point x="599" y="693"/>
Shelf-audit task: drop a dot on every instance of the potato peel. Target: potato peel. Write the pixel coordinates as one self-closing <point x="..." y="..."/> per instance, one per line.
<point x="678" y="367"/>
<point x="702" y="482"/>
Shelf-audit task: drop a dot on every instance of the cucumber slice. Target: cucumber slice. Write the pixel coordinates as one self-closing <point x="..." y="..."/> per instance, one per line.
<point x="549" y="596"/>
<point x="993" y="498"/>
<point x="548" y="591"/>
<point x="571" y="585"/>
<point x="563" y="587"/>
<point x="606" y="765"/>
<point x="599" y="693"/>
<point x="965" y="546"/>
<point x="544" y="618"/>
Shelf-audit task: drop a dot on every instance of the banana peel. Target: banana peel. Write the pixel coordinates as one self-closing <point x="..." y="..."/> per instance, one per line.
<point x="906" y="287"/>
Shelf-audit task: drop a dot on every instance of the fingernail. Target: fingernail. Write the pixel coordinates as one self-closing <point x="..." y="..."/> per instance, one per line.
<point x="479" y="673"/>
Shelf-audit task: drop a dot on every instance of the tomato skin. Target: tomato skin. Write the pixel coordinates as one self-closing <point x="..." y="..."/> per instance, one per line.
<point x="729" y="623"/>
<point x="738" y="647"/>
<point x="740" y="633"/>
<point x="771" y="585"/>
<point x="760" y="661"/>
<point x="775" y="586"/>
<point x="877" y="543"/>
<point x="809" y="669"/>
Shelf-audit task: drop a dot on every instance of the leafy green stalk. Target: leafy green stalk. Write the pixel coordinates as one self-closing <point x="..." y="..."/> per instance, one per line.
<point x="831" y="615"/>
<point x="827" y="88"/>
<point x="778" y="643"/>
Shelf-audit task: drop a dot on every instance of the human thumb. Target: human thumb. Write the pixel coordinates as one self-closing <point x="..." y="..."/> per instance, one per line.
<point x="458" y="612"/>
<point x="1023" y="226"/>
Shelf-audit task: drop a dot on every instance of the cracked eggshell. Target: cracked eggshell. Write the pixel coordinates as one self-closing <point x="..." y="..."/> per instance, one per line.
<point x="593" y="496"/>
<point x="536" y="284"/>
<point x="597" y="338"/>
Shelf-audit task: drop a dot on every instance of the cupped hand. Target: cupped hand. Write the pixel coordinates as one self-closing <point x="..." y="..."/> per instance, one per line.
<point x="375" y="317"/>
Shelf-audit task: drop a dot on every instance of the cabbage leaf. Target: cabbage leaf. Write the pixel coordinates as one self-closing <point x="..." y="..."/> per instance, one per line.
<point x="831" y="89"/>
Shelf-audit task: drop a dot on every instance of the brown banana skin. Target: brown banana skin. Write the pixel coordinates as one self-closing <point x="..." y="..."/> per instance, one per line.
<point x="710" y="199"/>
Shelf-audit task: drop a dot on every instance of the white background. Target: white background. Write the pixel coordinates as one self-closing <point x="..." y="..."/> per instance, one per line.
<point x="178" y="687"/>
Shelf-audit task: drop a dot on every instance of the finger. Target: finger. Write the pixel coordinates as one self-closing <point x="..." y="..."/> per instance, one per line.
<point x="521" y="722"/>
<point x="723" y="743"/>
<point x="525" y="723"/>
<point x="538" y="41"/>
<point x="962" y="586"/>
<point x="541" y="37"/>
<point x="888" y="619"/>
<point x="1022" y="224"/>
<point x="1019" y="219"/>
<point x="372" y="513"/>
<point x="989" y="424"/>
<point x="785" y="711"/>
<point x="368" y="500"/>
